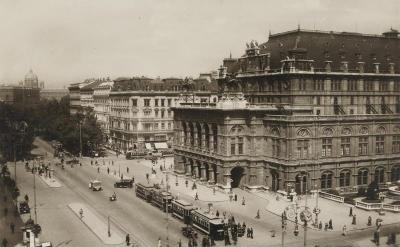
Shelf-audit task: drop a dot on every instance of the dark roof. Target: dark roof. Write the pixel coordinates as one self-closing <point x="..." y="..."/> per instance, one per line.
<point x="91" y="86"/>
<point x="336" y="47"/>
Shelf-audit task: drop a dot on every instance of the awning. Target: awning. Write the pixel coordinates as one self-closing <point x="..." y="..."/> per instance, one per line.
<point x="148" y="146"/>
<point x="161" y="145"/>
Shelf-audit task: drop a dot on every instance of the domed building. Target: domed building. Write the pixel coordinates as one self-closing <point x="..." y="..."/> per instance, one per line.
<point x="31" y="80"/>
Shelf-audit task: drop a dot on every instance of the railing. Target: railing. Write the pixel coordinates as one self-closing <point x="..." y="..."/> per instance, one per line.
<point x="378" y="206"/>
<point x="331" y="197"/>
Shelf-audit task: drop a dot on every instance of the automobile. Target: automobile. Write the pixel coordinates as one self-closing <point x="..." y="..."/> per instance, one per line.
<point x="95" y="185"/>
<point x="124" y="183"/>
<point x="24" y="208"/>
<point x="73" y="161"/>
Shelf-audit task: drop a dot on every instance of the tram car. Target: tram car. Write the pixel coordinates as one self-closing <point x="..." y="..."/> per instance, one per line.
<point x="161" y="199"/>
<point x="144" y="191"/>
<point x="182" y="210"/>
<point x="208" y="224"/>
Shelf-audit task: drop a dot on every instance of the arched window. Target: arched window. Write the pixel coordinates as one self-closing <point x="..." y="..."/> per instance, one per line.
<point x="395" y="174"/>
<point x="362" y="178"/>
<point x="326" y="180"/>
<point x="344" y="178"/>
<point x="379" y="175"/>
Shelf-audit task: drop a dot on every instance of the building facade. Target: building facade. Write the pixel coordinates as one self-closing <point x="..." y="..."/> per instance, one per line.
<point x="305" y="110"/>
<point x="19" y="95"/>
<point x="140" y="109"/>
<point x="31" y="80"/>
<point x="101" y="98"/>
<point x="53" y="94"/>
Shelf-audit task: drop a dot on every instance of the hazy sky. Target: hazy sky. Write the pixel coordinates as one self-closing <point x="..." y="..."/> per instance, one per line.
<point x="66" y="41"/>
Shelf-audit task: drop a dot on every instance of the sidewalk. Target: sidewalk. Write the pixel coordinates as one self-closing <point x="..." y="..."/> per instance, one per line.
<point x="98" y="225"/>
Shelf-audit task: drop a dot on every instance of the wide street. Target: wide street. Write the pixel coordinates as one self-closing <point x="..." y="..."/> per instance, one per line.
<point x="145" y="223"/>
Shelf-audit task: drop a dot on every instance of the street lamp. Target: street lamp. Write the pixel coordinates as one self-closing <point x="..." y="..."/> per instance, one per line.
<point x="316" y="210"/>
<point x="284" y="224"/>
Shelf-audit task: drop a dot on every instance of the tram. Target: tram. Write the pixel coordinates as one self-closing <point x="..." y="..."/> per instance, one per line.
<point x="161" y="199"/>
<point x="182" y="210"/>
<point x="208" y="224"/>
<point x="144" y="191"/>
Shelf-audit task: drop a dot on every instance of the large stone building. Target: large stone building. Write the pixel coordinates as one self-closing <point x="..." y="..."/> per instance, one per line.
<point x="101" y="98"/>
<point x="141" y="116"/>
<point x="53" y="94"/>
<point x="304" y="110"/>
<point x="19" y="95"/>
<point x="31" y="80"/>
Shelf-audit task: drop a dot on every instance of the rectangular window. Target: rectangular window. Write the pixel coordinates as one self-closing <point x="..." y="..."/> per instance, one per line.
<point x="169" y="102"/>
<point x="380" y="145"/>
<point x="233" y="146"/>
<point x="169" y="126"/>
<point x="363" y="145"/>
<point x="352" y="85"/>
<point x="146" y="102"/>
<point x="303" y="148"/>
<point x="156" y="126"/>
<point x="147" y="126"/>
<point x="326" y="147"/>
<point x="240" y="145"/>
<point x="162" y="102"/>
<point x="134" y="102"/>
<point x="345" y="146"/>
<point x="162" y="126"/>
<point x="155" y="102"/>
<point x="396" y="144"/>
<point x="162" y="114"/>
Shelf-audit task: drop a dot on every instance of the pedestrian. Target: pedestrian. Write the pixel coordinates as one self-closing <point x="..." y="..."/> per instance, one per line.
<point x="214" y="190"/>
<point x="235" y="198"/>
<point x="251" y="232"/>
<point x="108" y="170"/>
<point x="5" y="242"/>
<point x="98" y="169"/>
<point x="127" y="240"/>
<point x="80" y="163"/>
<point x="320" y="225"/>
<point x="243" y="201"/>
<point x="344" y="230"/>
<point x="186" y="183"/>
<point x="351" y="211"/>
<point x="180" y="243"/>
<point x="127" y="169"/>
<point x="12" y="227"/>
<point x="91" y="162"/>
<point x="248" y="233"/>
<point x="196" y="197"/>
<point x="330" y="224"/>
<point x="258" y="214"/>
<point x="159" y="242"/>
<point x="369" y="221"/>
<point x="26" y="197"/>
<point x="354" y="222"/>
<point x="81" y="213"/>
<point x="217" y="214"/>
<point x="326" y="227"/>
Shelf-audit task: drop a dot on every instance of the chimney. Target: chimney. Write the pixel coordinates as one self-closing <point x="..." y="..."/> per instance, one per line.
<point x="328" y="66"/>
<point x="360" y="66"/>
<point x="391" y="68"/>
<point x="376" y="68"/>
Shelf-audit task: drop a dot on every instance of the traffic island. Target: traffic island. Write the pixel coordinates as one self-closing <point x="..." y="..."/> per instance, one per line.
<point x="51" y="182"/>
<point x="98" y="224"/>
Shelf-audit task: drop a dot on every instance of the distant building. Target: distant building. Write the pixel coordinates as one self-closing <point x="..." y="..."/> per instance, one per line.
<point x="19" y="95"/>
<point x="31" y="80"/>
<point x="75" y="95"/>
<point x="101" y="100"/>
<point x="51" y="94"/>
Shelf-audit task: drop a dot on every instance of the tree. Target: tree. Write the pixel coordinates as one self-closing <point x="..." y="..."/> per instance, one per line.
<point x="373" y="191"/>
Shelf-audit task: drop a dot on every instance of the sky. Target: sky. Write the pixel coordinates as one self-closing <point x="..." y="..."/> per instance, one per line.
<point x="67" y="41"/>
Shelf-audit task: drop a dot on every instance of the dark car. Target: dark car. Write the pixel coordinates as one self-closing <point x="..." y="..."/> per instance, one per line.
<point x="124" y="183"/>
<point x="24" y="208"/>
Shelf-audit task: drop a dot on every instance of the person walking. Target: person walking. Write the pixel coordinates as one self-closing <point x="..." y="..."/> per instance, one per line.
<point x="351" y="212"/>
<point x="108" y="170"/>
<point x="213" y="190"/>
<point x="354" y="222"/>
<point x="12" y="227"/>
<point x="217" y="214"/>
<point x="344" y="230"/>
<point x="128" y="240"/>
<point x="127" y="169"/>
<point x="320" y="225"/>
<point x="243" y="201"/>
<point x="258" y="214"/>
<point x="369" y="221"/>
<point x="330" y="224"/>
<point x="251" y="233"/>
<point x="81" y="213"/>
<point x="98" y="169"/>
<point x="196" y="197"/>
<point x="235" y="198"/>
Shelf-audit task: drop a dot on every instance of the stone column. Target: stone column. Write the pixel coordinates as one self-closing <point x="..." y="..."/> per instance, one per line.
<point x="188" y="169"/>
<point x="211" y="137"/>
<point x="196" y="141"/>
<point x="188" y="136"/>
<point x="196" y="170"/>
<point x="203" y="173"/>
<point x="203" y="140"/>
<point x="211" y="173"/>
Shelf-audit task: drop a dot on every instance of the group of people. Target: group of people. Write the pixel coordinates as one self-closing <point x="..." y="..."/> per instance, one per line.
<point x="328" y="225"/>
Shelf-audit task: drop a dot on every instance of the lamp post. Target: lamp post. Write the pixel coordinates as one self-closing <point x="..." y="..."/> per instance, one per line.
<point x="284" y="224"/>
<point x="80" y="139"/>
<point x="316" y="210"/>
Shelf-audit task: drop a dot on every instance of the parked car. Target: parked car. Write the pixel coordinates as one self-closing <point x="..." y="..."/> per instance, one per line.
<point x="95" y="185"/>
<point x="124" y="183"/>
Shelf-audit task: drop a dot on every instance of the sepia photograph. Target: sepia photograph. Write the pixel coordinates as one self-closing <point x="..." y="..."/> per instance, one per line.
<point x="199" y="123"/>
